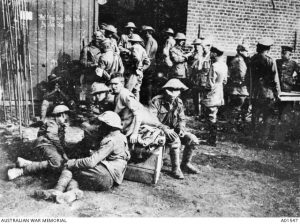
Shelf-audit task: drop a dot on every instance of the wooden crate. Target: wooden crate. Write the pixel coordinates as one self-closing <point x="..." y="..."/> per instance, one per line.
<point x="146" y="170"/>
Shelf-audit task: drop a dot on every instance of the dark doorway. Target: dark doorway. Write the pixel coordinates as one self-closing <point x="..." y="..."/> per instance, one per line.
<point x="157" y="13"/>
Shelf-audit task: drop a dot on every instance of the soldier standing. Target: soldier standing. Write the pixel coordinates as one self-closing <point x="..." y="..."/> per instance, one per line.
<point x="286" y="69"/>
<point x="179" y="59"/>
<point x="89" y="58"/>
<point x="214" y="93"/>
<point x="111" y="33"/>
<point x="237" y="84"/>
<point x="264" y="85"/>
<point x="170" y="42"/>
<point x="109" y="62"/>
<point x="170" y="112"/>
<point x="140" y="62"/>
<point x="151" y="49"/>
<point x="197" y="60"/>
<point x="124" y="44"/>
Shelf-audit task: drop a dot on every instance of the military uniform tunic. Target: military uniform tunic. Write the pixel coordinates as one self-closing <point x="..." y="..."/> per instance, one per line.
<point x="286" y="69"/>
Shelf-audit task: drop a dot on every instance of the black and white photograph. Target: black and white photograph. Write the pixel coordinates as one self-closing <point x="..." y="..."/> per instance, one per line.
<point x="149" y="109"/>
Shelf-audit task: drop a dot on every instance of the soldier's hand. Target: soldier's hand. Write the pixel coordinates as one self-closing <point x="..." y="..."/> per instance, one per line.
<point x="70" y="163"/>
<point x="133" y="138"/>
<point x="171" y="134"/>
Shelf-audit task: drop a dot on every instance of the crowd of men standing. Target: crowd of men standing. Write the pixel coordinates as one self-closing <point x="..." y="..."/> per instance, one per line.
<point x="113" y="72"/>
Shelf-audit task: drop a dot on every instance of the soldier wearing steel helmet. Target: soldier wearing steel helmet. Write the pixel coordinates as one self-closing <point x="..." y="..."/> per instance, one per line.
<point x="106" y="165"/>
<point x="124" y="43"/>
<point x="109" y="61"/>
<point x="169" y="43"/>
<point x="89" y="58"/>
<point x="169" y="109"/>
<point x="140" y="62"/>
<point x="151" y="50"/>
<point x="197" y="61"/>
<point x="179" y="58"/>
<point x="50" y="144"/>
<point x="264" y="85"/>
<point x="214" y="94"/>
<point x="111" y="34"/>
<point x="237" y="87"/>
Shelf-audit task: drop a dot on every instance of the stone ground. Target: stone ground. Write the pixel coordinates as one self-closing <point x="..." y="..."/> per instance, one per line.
<point x="239" y="178"/>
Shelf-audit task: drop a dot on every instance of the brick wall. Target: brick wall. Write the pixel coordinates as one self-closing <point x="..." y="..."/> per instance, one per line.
<point x="230" y="21"/>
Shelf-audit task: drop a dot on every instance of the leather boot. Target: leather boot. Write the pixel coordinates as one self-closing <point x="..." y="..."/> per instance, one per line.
<point x="186" y="165"/>
<point x="174" y="156"/>
<point x="35" y="167"/>
<point x="64" y="180"/>
<point x="50" y="194"/>
<point x="73" y="193"/>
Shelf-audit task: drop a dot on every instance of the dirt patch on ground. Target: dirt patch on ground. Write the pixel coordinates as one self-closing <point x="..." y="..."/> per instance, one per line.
<point x="236" y="180"/>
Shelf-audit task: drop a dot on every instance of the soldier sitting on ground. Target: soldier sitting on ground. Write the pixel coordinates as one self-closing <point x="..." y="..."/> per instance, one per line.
<point x="50" y="144"/>
<point x="106" y="165"/>
<point x="100" y="170"/>
<point x="170" y="111"/>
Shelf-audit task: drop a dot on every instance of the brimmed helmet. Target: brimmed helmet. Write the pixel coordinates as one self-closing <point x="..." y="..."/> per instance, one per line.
<point x="175" y="84"/>
<point x="111" y="119"/>
<point x="60" y="109"/>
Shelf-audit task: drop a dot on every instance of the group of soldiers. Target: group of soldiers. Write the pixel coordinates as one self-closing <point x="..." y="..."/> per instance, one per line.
<point x="113" y="73"/>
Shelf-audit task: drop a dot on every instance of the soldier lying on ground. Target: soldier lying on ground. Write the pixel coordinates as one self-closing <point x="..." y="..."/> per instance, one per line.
<point x="50" y="144"/>
<point x="170" y="111"/>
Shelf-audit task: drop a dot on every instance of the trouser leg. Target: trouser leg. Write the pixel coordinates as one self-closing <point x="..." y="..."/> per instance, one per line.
<point x="195" y="94"/>
<point x="174" y="157"/>
<point x="96" y="179"/>
<point x="44" y="108"/>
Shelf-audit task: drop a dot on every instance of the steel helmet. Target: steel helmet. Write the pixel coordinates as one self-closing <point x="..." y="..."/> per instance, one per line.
<point x="130" y="25"/>
<point x="111" y="28"/>
<point x="145" y="28"/>
<point x="98" y="87"/>
<point x="53" y="78"/>
<point x="60" y="109"/>
<point x="175" y="84"/>
<point x="111" y="118"/>
<point x="170" y="30"/>
<point x="135" y="38"/>
<point x="197" y="42"/>
<point x="180" y="36"/>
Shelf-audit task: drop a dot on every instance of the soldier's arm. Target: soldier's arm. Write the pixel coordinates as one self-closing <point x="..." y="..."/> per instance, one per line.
<point x="105" y="149"/>
<point x="176" y="57"/>
<point x="121" y="44"/>
<point x="121" y="66"/>
<point x="102" y="64"/>
<point x="146" y="62"/>
<point x="276" y="88"/>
